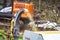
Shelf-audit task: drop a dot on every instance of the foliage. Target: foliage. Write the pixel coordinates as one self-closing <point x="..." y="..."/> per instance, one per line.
<point x="49" y="8"/>
<point x="20" y="38"/>
<point x="2" y="35"/>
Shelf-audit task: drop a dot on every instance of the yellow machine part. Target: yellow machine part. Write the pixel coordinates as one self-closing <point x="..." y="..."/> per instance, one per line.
<point x="12" y="25"/>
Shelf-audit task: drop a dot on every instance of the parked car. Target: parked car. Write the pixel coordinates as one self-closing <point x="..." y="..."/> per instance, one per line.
<point x="44" y="24"/>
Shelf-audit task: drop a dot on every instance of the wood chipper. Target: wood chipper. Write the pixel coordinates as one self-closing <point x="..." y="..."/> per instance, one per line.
<point x="9" y="7"/>
<point x="17" y="11"/>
